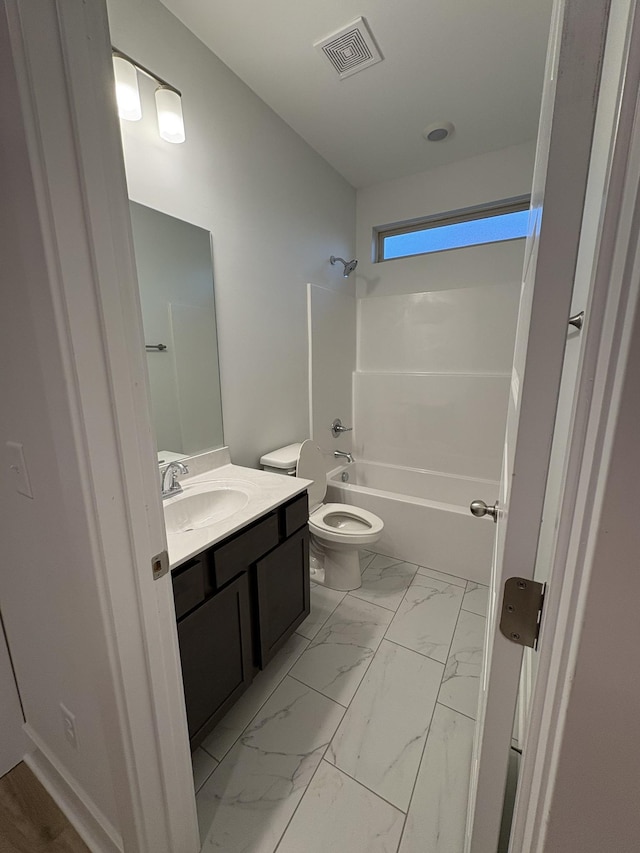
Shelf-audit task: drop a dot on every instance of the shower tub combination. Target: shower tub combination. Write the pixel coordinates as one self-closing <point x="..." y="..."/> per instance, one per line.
<point x="426" y="515"/>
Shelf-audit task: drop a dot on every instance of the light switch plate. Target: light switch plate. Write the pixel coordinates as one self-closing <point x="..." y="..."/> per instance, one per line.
<point x="18" y="467"/>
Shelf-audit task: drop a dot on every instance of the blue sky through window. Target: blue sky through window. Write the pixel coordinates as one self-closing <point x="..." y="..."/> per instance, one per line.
<point x="490" y="229"/>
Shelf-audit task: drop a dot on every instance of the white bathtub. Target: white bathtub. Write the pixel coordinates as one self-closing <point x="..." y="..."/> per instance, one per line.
<point x="426" y="515"/>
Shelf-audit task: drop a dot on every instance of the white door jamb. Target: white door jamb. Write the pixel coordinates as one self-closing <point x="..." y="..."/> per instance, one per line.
<point x="62" y="56"/>
<point x="609" y="318"/>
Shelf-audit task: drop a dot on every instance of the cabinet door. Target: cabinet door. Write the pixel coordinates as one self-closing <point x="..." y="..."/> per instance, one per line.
<point x="215" y="649"/>
<point x="282" y="581"/>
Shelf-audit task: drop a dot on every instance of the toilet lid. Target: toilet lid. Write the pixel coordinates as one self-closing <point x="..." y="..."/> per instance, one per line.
<point x="311" y="467"/>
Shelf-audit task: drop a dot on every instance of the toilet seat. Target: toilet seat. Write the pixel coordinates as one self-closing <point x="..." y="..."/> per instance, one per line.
<point x="343" y="523"/>
<point x="338" y="531"/>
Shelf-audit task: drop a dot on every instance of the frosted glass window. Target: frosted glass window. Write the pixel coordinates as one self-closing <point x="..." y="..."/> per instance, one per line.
<point x="490" y="225"/>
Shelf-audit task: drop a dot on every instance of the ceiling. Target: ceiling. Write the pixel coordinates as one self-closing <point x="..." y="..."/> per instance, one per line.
<point x="476" y="63"/>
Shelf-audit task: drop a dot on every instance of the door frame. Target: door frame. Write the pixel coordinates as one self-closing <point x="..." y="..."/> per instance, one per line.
<point x="82" y="143"/>
<point x="61" y="54"/>
<point x="562" y="172"/>
<point x="609" y="319"/>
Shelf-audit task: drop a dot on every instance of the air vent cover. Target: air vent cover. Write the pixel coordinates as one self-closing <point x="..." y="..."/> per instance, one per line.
<point x="351" y="49"/>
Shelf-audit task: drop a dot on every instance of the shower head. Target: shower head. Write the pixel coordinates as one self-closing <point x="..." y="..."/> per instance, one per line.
<point x="349" y="266"/>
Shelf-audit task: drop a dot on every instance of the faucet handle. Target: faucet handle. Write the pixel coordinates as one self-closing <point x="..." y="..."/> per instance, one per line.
<point x="169" y="478"/>
<point x="337" y="428"/>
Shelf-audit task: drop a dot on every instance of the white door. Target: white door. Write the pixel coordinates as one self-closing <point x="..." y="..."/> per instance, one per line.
<point x="560" y="177"/>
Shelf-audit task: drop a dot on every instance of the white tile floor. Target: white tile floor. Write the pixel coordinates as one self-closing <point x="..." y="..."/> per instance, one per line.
<point x="357" y="737"/>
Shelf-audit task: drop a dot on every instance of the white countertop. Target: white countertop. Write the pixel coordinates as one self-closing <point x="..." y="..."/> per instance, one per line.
<point x="267" y="491"/>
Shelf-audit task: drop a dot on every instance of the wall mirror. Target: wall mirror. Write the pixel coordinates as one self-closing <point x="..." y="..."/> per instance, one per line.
<point x="175" y="276"/>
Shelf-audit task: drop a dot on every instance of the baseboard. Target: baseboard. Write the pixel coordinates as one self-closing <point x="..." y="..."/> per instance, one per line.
<point x="92" y="826"/>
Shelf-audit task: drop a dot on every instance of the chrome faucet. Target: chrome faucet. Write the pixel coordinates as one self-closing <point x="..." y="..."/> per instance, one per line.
<point x="342" y="454"/>
<point x="337" y="428"/>
<point x="169" y="478"/>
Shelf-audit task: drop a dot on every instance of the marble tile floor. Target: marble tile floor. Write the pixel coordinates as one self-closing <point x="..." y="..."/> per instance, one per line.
<point x="357" y="737"/>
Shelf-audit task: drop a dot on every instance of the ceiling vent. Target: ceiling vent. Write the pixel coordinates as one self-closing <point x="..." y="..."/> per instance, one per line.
<point x="351" y="49"/>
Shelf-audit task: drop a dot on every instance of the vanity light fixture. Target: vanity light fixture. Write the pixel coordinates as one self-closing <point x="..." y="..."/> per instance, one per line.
<point x="168" y="98"/>
<point x="127" y="92"/>
<point x="169" y="108"/>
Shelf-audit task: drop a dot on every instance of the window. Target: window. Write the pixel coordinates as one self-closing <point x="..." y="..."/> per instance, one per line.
<point x="504" y="220"/>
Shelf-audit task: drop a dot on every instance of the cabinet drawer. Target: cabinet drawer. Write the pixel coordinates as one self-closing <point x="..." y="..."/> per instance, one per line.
<point x="295" y="515"/>
<point x="188" y="586"/>
<point x="238" y="554"/>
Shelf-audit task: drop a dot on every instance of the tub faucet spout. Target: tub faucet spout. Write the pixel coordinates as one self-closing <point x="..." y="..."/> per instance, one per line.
<point x="342" y="454"/>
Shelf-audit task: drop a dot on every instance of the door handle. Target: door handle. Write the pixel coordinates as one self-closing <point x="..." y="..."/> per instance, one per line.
<point x="577" y="320"/>
<point x="480" y="509"/>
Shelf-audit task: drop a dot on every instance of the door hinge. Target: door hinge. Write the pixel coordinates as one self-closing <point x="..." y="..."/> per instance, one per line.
<point x="160" y="565"/>
<point x="522" y="611"/>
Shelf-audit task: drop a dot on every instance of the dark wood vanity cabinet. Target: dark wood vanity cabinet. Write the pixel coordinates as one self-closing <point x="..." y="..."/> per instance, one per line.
<point x="216" y="654"/>
<point x="283" y="590"/>
<point x="236" y="604"/>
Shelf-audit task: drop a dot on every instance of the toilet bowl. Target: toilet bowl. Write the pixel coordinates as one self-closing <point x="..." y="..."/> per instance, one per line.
<point x="338" y="531"/>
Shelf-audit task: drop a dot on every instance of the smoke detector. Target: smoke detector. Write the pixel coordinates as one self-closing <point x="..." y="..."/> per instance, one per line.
<point x="438" y="131"/>
<point x="351" y="49"/>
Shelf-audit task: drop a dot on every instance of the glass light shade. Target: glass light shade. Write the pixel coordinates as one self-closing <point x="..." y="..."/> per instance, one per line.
<point x="127" y="93"/>
<point x="170" y="121"/>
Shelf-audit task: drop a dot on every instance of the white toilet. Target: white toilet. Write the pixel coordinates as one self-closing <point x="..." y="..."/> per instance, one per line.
<point x="338" y="531"/>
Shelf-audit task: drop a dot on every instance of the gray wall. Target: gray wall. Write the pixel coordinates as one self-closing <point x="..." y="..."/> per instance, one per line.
<point x="275" y="208"/>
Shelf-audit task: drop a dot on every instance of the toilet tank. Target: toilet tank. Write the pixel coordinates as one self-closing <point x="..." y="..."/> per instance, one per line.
<point x="282" y="461"/>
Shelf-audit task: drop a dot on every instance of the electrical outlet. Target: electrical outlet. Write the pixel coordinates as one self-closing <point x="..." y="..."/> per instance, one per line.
<point x="69" y="724"/>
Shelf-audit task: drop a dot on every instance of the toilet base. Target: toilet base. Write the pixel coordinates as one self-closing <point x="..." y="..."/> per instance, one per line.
<point x="342" y="570"/>
<point x="338" y="570"/>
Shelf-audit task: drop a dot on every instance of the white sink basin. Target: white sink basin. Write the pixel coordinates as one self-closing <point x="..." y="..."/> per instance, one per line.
<point x="205" y="504"/>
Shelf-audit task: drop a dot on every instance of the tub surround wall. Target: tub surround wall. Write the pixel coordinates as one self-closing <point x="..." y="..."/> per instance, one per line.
<point x="275" y="208"/>
<point x="436" y="332"/>
<point x="453" y="423"/>
<point x="332" y="359"/>
<point x="433" y="378"/>
<point x="435" y="337"/>
<point x="466" y="330"/>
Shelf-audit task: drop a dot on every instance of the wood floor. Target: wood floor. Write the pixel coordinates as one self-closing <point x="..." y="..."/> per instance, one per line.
<point x="30" y="821"/>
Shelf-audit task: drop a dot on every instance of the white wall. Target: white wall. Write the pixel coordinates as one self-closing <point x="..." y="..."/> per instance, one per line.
<point x="453" y="424"/>
<point x="465" y="330"/>
<point x="13" y="743"/>
<point x="478" y="180"/>
<point x="332" y="360"/>
<point x="276" y="210"/>
<point x="594" y="805"/>
<point x="436" y="332"/>
<point x="50" y="603"/>
<point x="433" y="378"/>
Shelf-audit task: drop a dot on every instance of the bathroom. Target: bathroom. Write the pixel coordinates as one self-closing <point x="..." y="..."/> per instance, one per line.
<point x="410" y="353"/>
<point x="358" y="731"/>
